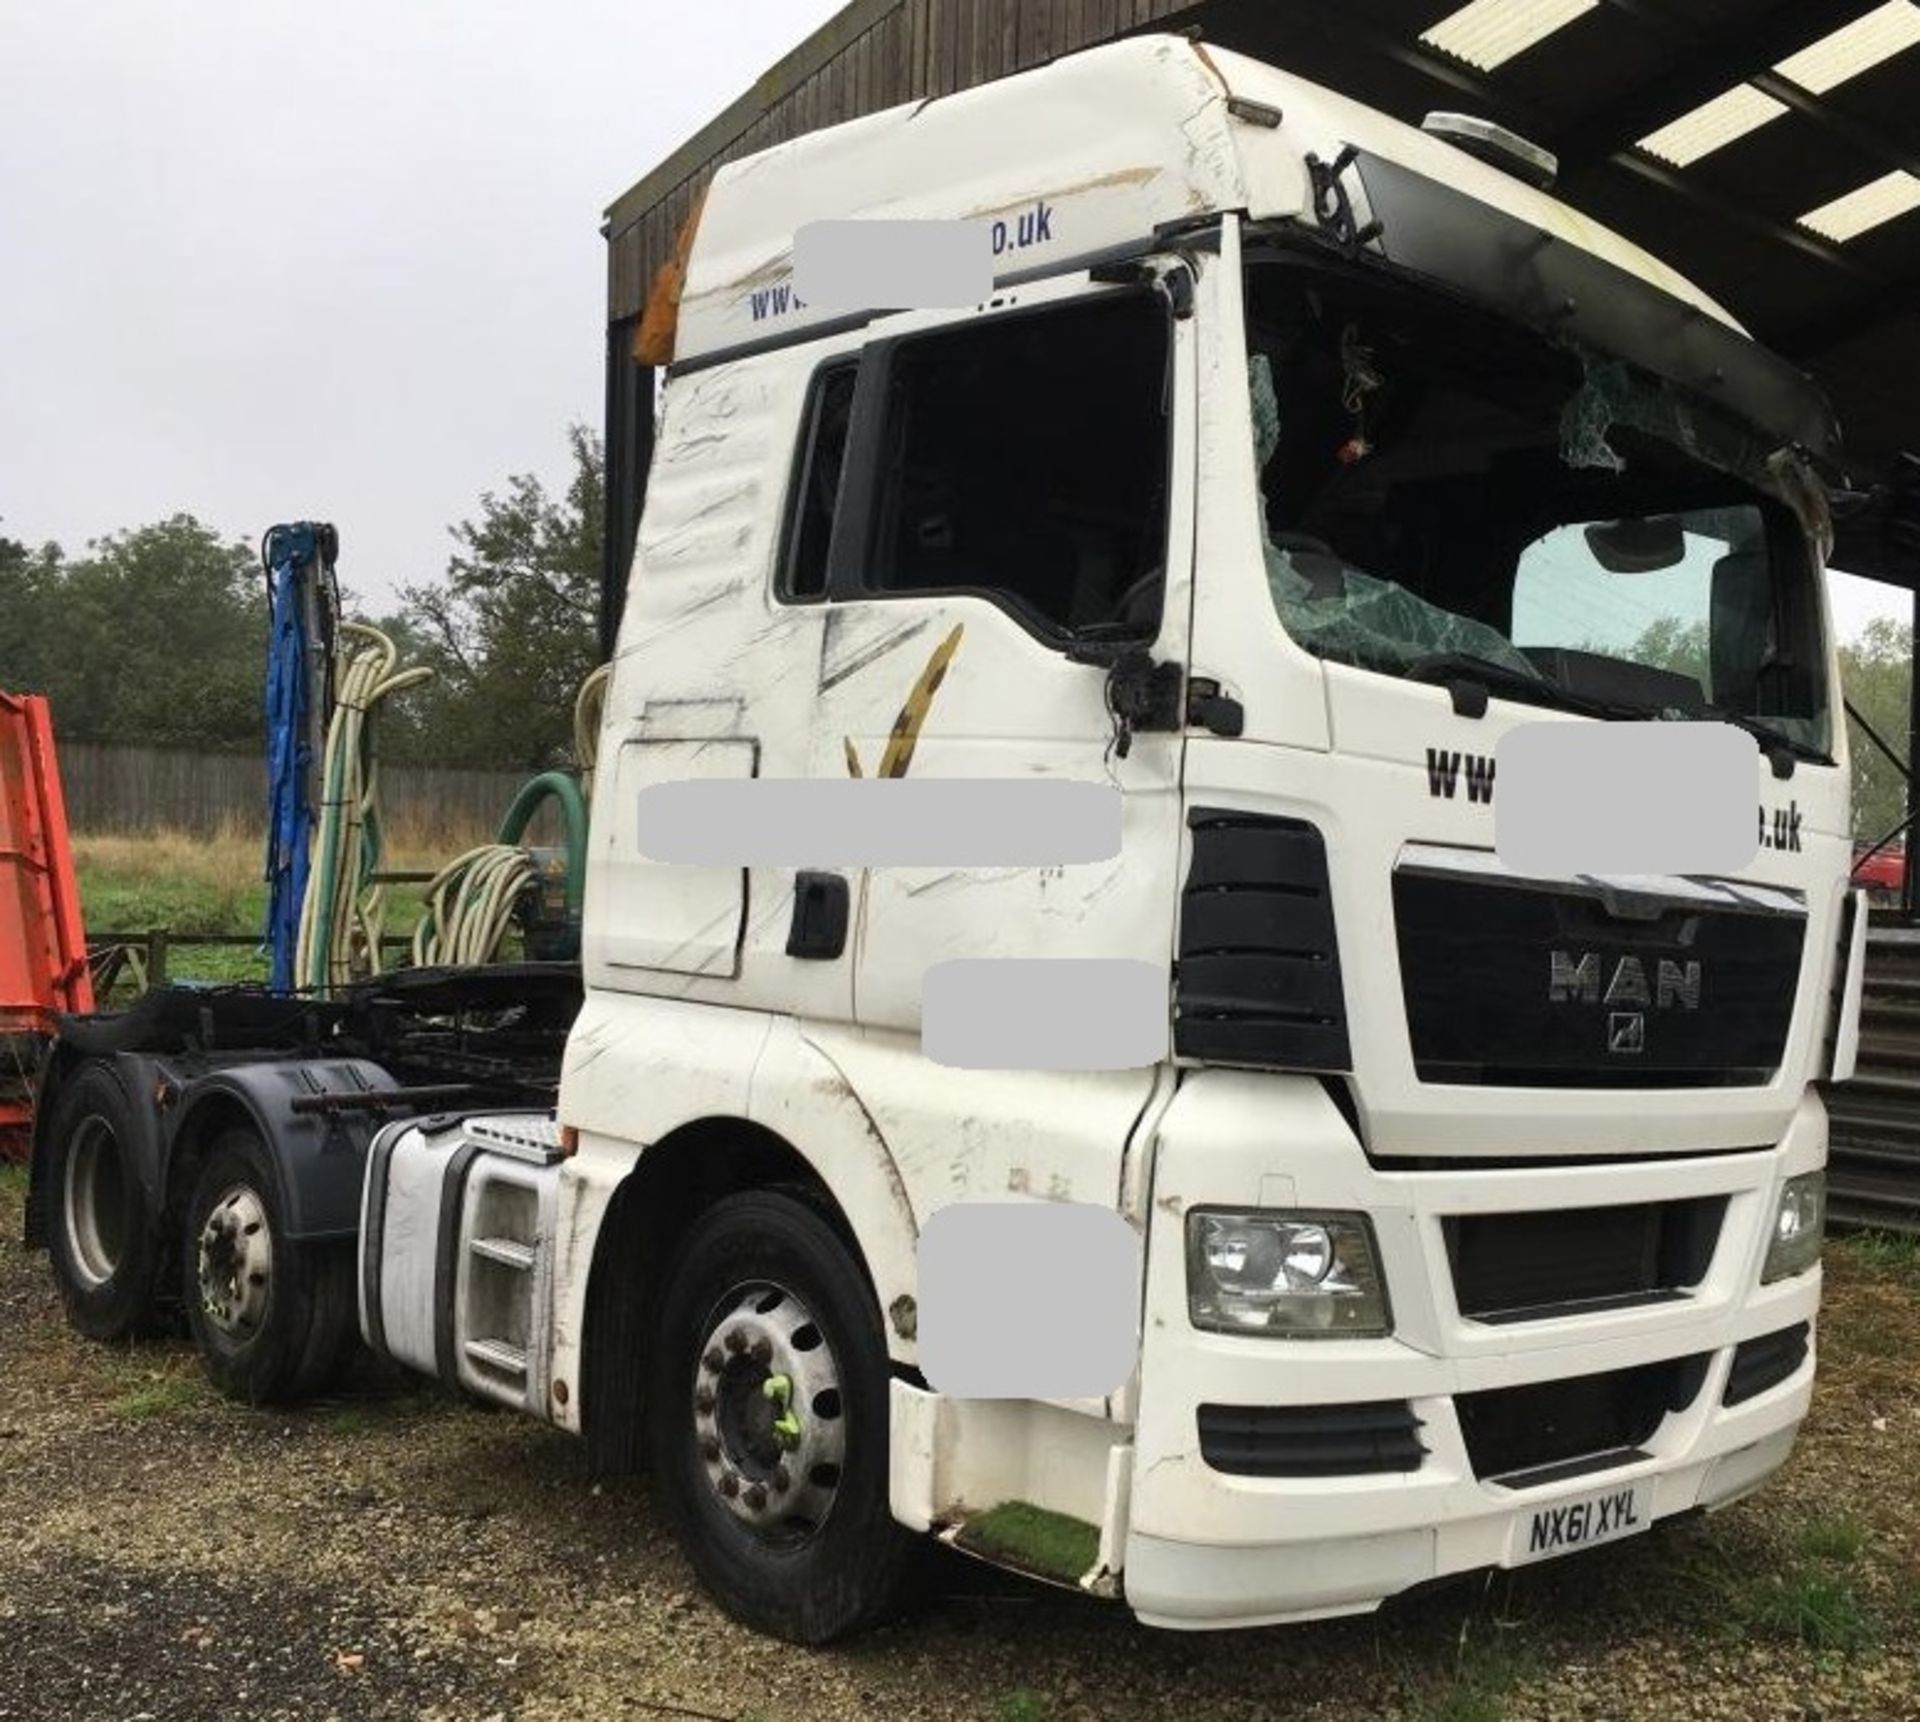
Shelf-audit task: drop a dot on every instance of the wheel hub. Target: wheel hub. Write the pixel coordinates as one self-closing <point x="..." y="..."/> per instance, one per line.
<point x="236" y="1261"/>
<point x="768" y="1414"/>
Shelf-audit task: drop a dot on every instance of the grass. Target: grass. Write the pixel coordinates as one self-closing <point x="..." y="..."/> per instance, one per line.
<point x="1806" y="1588"/>
<point x="1885" y="1252"/>
<point x="1486" y="1668"/>
<point x="190" y="885"/>
<point x="1035" y="1539"/>
<point x="161" y="1398"/>
<point x="1021" y="1706"/>
<point x="1810" y="1603"/>
<point x="1838" y="1540"/>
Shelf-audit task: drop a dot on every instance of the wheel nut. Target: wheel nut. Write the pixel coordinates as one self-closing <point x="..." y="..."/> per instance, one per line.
<point x="729" y="1485"/>
<point x="710" y="1450"/>
<point x="756" y="1497"/>
<point x="703" y="1402"/>
<point x="762" y="1350"/>
<point x="713" y="1360"/>
<point x="736" y="1341"/>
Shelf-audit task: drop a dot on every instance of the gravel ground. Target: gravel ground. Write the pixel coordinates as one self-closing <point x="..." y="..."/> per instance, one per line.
<point x="393" y="1553"/>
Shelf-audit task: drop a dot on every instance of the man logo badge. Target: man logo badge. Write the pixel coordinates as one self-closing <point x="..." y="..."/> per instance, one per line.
<point x="1626" y="1031"/>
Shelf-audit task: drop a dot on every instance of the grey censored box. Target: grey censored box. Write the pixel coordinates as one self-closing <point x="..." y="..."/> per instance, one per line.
<point x="879" y="822"/>
<point x="892" y="265"/>
<point x="1028" y="1300"/>
<point x="1626" y="798"/>
<point x="1044" y="1013"/>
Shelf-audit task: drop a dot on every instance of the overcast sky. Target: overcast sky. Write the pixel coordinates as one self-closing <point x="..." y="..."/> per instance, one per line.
<point x="263" y="261"/>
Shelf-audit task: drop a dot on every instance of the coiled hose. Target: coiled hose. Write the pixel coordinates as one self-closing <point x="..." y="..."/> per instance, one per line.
<point x="470" y="901"/>
<point x="340" y="915"/>
<point x="589" y="705"/>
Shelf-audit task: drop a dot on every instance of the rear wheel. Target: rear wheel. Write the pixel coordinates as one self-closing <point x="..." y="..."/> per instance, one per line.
<point x="767" y="1422"/>
<point x="102" y="1245"/>
<point x="272" y="1318"/>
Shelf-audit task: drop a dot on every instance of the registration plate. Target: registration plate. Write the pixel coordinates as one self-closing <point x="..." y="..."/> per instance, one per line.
<point x="1581" y="1524"/>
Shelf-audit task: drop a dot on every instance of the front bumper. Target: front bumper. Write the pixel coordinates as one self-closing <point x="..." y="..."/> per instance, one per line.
<point x="1210" y="1548"/>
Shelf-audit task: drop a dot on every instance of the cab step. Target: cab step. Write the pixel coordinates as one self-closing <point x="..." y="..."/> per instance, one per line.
<point x="498" y="1356"/>
<point x="508" y="1252"/>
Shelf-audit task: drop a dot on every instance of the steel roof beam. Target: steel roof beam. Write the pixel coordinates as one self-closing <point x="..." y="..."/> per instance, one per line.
<point x="1828" y="112"/>
<point x="1890" y="302"/>
<point x="1712" y="66"/>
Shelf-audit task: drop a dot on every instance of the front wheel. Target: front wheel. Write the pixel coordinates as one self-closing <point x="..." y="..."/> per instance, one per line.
<point x="767" y="1422"/>
<point x="272" y="1318"/>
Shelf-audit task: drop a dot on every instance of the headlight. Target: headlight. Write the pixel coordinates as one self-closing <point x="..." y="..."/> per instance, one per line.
<point x="1798" y="1227"/>
<point x="1287" y="1274"/>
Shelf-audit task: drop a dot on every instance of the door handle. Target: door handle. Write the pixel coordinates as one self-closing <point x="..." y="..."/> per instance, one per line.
<point x="819" y="929"/>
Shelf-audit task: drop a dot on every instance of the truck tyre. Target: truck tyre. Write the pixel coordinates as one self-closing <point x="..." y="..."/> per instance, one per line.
<point x="103" y="1243"/>
<point x="767" y="1422"/>
<point x="273" y="1319"/>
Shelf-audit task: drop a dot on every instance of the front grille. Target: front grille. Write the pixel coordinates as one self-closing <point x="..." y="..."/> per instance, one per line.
<point x="1311" y="1440"/>
<point x="1524" y="1267"/>
<point x="1765" y="1362"/>
<point x="1512" y="1431"/>
<point x="1511" y="981"/>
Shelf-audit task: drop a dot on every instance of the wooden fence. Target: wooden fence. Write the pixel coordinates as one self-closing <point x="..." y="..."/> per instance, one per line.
<point x="123" y="789"/>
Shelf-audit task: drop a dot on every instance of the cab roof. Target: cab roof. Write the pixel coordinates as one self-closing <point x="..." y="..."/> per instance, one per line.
<point x="1089" y="156"/>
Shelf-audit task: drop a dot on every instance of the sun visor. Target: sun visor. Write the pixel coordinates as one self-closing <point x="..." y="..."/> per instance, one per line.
<point x="1557" y="287"/>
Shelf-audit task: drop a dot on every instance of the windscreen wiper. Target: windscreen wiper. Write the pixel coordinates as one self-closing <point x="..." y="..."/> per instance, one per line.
<point x="1780" y="748"/>
<point x="1470" y="679"/>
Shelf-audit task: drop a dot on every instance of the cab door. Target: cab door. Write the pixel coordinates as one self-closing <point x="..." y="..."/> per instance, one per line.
<point x="1011" y="560"/>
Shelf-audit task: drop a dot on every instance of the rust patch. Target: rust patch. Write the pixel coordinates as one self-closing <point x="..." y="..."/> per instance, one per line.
<point x="655" y="337"/>
<point x="1100" y="182"/>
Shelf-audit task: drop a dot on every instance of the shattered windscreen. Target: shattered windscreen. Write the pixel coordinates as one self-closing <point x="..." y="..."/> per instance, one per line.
<point x="1445" y="492"/>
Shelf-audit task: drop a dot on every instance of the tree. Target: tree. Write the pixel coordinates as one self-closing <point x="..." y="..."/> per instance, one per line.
<point x="1672" y="644"/>
<point x="28" y="580"/>
<point x="1876" y="673"/>
<point x="156" y="635"/>
<point x="511" y="630"/>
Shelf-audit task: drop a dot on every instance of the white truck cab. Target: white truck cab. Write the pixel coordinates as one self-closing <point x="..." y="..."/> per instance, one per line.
<point x="1295" y="458"/>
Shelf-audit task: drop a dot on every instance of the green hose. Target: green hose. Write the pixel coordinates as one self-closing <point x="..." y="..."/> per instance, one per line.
<point x="573" y="810"/>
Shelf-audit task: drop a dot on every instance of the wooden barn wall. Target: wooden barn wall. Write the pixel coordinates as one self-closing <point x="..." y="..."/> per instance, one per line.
<point x="919" y="48"/>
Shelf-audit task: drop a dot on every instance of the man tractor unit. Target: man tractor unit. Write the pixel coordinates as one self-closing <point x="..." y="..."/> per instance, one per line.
<point x="1292" y="457"/>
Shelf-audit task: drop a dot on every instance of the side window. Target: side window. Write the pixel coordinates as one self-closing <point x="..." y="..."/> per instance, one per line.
<point x="816" y="490"/>
<point x="1027" y="456"/>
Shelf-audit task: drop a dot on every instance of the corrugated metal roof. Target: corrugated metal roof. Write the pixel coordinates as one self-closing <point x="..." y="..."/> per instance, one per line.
<point x="1838" y="83"/>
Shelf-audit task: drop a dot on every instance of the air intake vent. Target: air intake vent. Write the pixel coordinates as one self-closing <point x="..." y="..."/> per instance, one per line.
<point x="1572" y="1261"/>
<point x="1259" y="976"/>
<point x="1532" y="1434"/>
<point x="1311" y="1440"/>
<point x="1765" y="1362"/>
